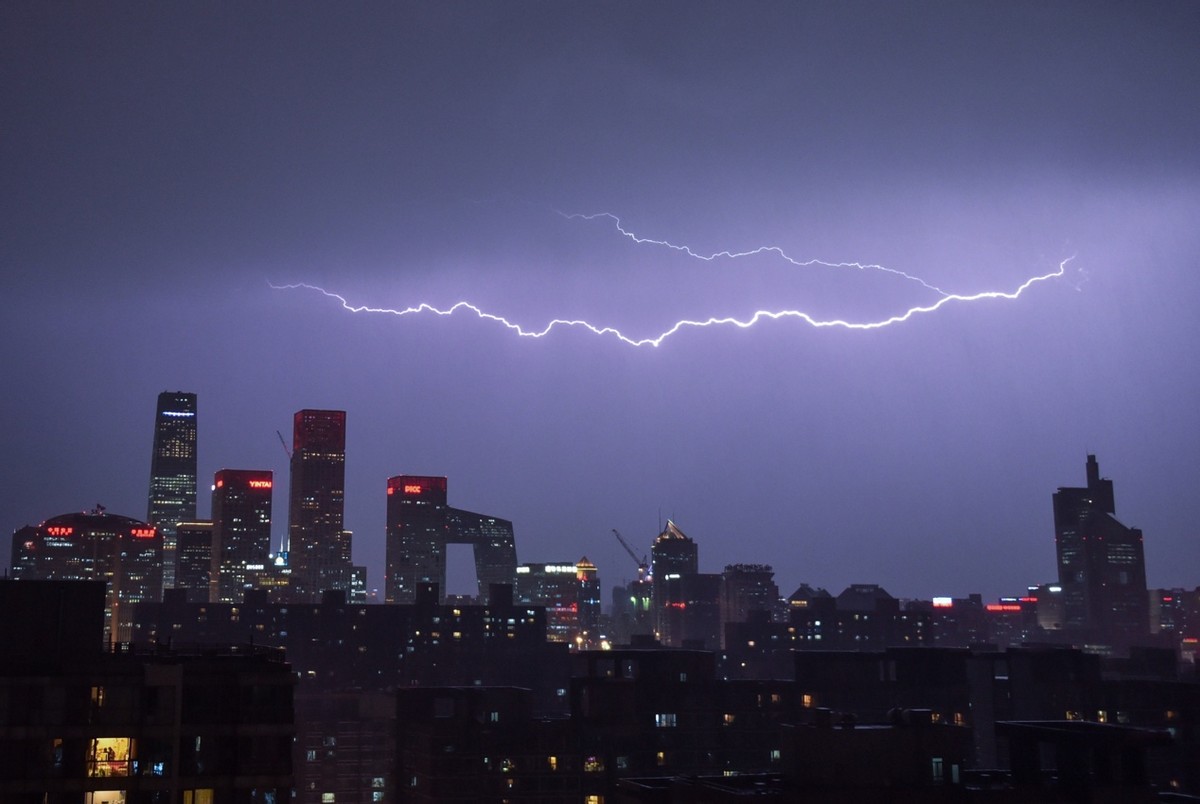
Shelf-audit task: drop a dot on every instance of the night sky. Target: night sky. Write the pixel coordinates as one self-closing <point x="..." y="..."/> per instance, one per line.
<point x="164" y="164"/>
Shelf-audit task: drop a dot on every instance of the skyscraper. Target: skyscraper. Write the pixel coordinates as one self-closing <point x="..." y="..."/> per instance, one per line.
<point x="318" y="544"/>
<point x="172" y="472"/>
<point x="672" y="556"/>
<point x="241" y="534"/>
<point x="1101" y="564"/>
<point x="194" y="560"/>
<point x="419" y="526"/>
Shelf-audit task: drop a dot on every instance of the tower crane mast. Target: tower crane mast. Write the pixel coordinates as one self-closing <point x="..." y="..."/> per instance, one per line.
<point x="642" y="564"/>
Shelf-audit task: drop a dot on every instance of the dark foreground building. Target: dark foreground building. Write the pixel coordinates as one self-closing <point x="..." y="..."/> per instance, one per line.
<point x="81" y="724"/>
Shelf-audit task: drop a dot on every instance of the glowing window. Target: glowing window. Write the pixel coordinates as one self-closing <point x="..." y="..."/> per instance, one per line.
<point x="109" y="756"/>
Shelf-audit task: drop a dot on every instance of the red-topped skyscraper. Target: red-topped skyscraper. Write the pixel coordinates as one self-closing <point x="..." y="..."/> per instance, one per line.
<point x="241" y="533"/>
<point x="419" y="527"/>
<point x="318" y="543"/>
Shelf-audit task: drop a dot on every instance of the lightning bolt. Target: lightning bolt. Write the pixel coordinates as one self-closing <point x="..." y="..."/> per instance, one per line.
<point x="733" y="255"/>
<point x="943" y="299"/>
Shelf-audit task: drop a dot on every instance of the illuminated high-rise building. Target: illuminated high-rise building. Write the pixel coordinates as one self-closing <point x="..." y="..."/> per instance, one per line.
<point x="672" y="556"/>
<point x="570" y="594"/>
<point x="172" y="472"/>
<point x="241" y="534"/>
<point x="1101" y="564"/>
<point x="419" y="527"/>
<point x="95" y="546"/>
<point x="318" y="544"/>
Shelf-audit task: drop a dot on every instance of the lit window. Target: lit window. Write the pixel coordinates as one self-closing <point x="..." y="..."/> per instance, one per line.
<point x="328" y="798"/>
<point x="667" y="720"/>
<point x="552" y="762"/>
<point x="661" y="758"/>
<point x="593" y="764"/>
<point x="728" y="718"/>
<point x="806" y="700"/>
<point x="109" y="756"/>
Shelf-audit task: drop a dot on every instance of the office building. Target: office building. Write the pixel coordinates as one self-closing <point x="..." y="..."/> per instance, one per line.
<point x="172" y="472"/>
<point x="746" y="588"/>
<point x="318" y="544"/>
<point x="124" y="553"/>
<point x="420" y="525"/>
<point x="672" y="556"/>
<point x="1101" y="564"/>
<point x="570" y="593"/>
<point x="194" y="565"/>
<point x="241" y="534"/>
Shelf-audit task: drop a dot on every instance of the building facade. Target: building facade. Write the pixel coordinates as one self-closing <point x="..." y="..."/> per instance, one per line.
<point x="172" y="472"/>
<point x="318" y="543"/>
<point x="125" y="553"/>
<point x="241" y="533"/>
<point x="193" y="552"/>
<point x="420" y="524"/>
<point x="1101" y="563"/>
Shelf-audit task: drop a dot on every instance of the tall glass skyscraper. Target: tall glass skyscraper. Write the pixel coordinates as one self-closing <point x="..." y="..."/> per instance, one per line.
<point x="173" y="472"/>
<point x="318" y="544"/>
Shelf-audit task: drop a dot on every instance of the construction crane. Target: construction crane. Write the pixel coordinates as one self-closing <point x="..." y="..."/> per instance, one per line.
<point x="642" y="564"/>
<point x="284" y="443"/>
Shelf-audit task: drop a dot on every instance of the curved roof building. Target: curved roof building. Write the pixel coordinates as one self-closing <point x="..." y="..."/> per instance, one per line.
<point x="95" y="545"/>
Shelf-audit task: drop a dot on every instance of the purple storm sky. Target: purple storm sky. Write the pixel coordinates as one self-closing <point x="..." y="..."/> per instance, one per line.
<point x="163" y="164"/>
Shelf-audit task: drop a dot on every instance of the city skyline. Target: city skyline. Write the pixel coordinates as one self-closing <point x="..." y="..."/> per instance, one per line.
<point x="165" y="166"/>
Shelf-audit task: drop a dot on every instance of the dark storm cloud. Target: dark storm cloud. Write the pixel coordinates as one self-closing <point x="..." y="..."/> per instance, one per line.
<point x="161" y="163"/>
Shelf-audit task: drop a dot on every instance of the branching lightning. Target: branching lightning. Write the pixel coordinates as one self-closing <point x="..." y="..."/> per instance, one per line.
<point x="943" y="299"/>
<point x="733" y="255"/>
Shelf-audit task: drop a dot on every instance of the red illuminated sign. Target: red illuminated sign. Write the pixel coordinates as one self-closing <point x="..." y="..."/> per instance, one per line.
<point x="59" y="530"/>
<point x="260" y="484"/>
<point x="220" y="483"/>
<point x="412" y="489"/>
<point x="1003" y="607"/>
<point x="391" y="491"/>
<point x="142" y="533"/>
